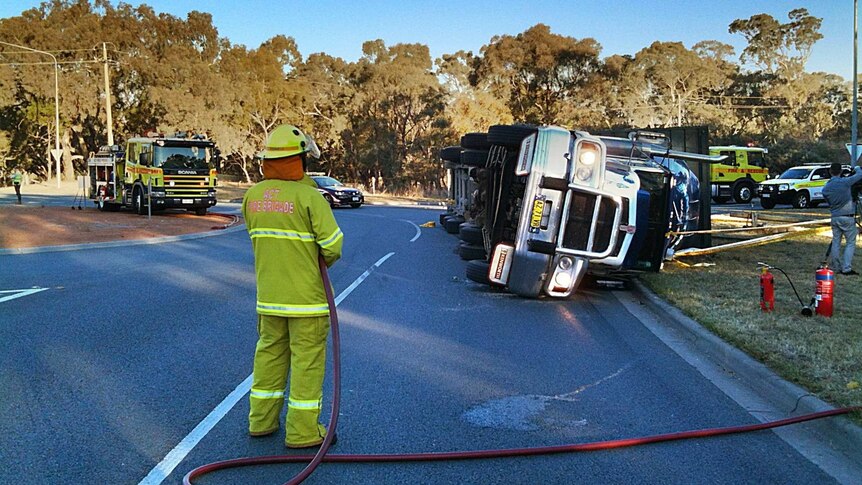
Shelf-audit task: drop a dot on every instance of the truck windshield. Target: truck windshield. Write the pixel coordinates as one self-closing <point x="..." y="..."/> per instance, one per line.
<point x="189" y="157"/>
<point x="796" y="173"/>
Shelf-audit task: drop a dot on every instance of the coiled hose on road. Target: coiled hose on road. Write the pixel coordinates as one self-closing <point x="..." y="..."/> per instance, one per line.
<point x="321" y="455"/>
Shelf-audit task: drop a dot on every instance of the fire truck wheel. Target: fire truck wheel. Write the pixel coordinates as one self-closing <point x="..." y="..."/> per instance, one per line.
<point x="138" y="204"/>
<point x="201" y="211"/>
<point x="477" y="270"/>
<point x="470" y="252"/>
<point x="743" y="192"/>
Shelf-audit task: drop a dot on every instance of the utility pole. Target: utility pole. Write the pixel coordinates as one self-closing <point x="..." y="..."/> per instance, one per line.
<point x="853" y="148"/>
<point x="108" y="97"/>
<point x="56" y="152"/>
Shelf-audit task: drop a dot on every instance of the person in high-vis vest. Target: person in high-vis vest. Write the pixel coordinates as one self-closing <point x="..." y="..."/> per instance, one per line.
<point x="291" y="225"/>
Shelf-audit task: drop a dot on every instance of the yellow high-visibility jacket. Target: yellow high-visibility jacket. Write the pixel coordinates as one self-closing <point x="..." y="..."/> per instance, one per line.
<point x="290" y="223"/>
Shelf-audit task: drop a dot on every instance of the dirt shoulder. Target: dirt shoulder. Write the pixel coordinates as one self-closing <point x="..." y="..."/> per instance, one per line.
<point x="35" y="226"/>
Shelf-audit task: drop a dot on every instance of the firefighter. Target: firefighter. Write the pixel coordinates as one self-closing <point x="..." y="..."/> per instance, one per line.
<point x="290" y="225"/>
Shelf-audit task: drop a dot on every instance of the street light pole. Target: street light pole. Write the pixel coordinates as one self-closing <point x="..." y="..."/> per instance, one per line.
<point x="853" y="147"/>
<point x="56" y="151"/>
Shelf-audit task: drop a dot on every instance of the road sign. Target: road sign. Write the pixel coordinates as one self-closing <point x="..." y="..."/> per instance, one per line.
<point x="56" y="153"/>
<point x="850" y="150"/>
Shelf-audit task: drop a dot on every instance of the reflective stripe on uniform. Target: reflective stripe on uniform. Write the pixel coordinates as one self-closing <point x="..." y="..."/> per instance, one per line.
<point x="332" y="239"/>
<point x="275" y="308"/>
<point x="266" y="394"/>
<point x="281" y="234"/>
<point x="307" y="405"/>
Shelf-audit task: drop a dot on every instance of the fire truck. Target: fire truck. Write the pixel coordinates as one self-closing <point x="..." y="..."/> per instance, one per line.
<point x="154" y="173"/>
<point x="739" y="174"/>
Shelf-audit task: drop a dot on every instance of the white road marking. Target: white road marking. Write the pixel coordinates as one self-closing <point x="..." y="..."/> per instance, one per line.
<point x="12" y="294"/>
<point x="161" y="471"/>
<point x="418" y="230"/>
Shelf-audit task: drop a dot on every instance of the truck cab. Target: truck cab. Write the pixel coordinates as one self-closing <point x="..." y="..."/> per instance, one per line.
<point x="581" y="204"/>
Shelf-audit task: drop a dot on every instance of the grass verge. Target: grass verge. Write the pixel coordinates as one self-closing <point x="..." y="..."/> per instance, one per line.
<point x="722" y="292"/>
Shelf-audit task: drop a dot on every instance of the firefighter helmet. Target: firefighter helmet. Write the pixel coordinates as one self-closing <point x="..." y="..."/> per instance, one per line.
<point x="287" y="141"/>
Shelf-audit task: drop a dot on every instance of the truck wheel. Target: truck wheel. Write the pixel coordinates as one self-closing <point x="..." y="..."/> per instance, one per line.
<point x="475" y="141"/>
<point x="800" y="201"/>
<point x="743" y="192"/>
<point x="767" y="203"/>
<point x="452" y="224"/>
<point x="470" y="252"/>
<point x="201" y="211"/>
<point x="509" y="136"/>
<point x="471" y="233"/>
<point x="477" y="271"/>
<point x="138" y="204"/>
<point x="474" y="158"/>
<point x="451" y="154"/>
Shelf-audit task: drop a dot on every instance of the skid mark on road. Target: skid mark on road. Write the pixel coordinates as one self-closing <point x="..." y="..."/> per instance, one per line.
<point x="529" y="412"/>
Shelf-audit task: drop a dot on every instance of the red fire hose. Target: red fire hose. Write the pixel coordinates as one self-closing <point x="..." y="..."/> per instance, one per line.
<point x="321" y="455"/>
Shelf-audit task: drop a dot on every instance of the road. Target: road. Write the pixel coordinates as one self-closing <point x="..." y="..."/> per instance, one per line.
<point x="123" y="351"/>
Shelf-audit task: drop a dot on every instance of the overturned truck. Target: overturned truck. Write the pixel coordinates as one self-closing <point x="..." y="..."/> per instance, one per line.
<point x="540" y="208"/>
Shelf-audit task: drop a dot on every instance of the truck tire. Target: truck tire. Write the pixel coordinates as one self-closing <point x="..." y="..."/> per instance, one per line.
<point x="443" y="217"/>
<point x="474" y="158"/>
<point x="475" y="141"/>
<point x="452" y="224"/>
<point x="767" y="203"/>
<point x="477" y="271"/>
<point x="743" y="191"/>
<point x="470" y="252"/>
<point x="509" y="136"/>
<point x="451" y="154"/>
<point x="471" y="233"/>
<point x="138" y="203"/>
<point x="801" y="200"/>
<point x="201" y="211"/>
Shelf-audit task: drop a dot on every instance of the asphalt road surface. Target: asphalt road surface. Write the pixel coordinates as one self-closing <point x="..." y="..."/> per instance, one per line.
<point x="114" y="357"/>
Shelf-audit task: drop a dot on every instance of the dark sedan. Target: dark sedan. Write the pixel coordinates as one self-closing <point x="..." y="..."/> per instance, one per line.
<point x="337" y="194"/>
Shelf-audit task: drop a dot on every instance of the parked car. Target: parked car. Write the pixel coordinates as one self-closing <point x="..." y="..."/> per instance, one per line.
<point x="801" y="186"/>
<point x="338" y="194"/>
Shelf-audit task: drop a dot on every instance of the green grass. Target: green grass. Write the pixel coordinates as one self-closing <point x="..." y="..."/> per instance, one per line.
<point x="823" y="355"/>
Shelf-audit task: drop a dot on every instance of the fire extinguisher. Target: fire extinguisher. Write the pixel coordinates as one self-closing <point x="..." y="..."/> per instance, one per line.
<point x="823" y="290"/>
<point x="767" y="290"/>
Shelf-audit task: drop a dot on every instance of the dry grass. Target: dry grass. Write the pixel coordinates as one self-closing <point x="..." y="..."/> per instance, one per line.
<point x="823" y="355"/>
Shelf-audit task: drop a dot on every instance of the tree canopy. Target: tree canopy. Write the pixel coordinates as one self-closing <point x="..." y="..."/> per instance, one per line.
<point x="381" y="120"/>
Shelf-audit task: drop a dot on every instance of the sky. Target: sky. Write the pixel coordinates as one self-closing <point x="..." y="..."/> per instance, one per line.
<point x="339" y="28"/>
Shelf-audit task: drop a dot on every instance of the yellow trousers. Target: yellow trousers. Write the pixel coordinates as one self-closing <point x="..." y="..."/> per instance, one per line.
<point x="296" y="345"/>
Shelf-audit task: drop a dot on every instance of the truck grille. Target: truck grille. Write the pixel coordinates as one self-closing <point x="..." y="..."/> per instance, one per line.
<point x="583" y="218"/>
<point x="186" y="186"/>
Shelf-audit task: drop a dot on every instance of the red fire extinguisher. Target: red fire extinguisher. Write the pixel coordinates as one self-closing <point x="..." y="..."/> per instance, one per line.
<point x="823" y="289"/>
<point x="767" y="290"/>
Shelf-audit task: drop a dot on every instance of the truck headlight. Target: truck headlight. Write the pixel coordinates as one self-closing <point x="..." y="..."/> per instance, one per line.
<point x="563" y="280"/>
<point x="565" y="263"/>
<point x="588" y="156"/>
<point x="584" y="174"/>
